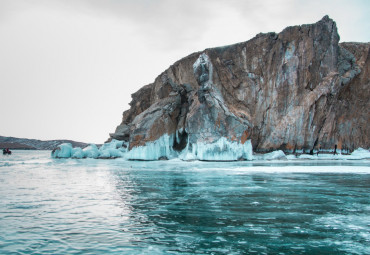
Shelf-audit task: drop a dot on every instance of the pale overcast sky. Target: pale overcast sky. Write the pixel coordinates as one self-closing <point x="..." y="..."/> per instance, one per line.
<point x="68" y="67"/>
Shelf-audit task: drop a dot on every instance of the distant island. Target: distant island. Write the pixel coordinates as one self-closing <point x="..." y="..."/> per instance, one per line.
<point x="15" y="143"/>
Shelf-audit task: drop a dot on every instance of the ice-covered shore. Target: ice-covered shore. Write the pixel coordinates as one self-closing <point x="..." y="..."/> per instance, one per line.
<point x="114" y="149"/>
<point x="221" y="150"/>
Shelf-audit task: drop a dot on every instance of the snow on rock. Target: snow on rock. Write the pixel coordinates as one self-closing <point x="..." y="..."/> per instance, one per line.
<point x="274" y="155"/>
<point x="360" y="153"/>
<point x="203" y="65"/>
<point x="291" y="157"/>
<point x="114" y="144"/>
<point x="160" y="148"/>
<point x="62" y="151"/>
<point x="357" y="154"/>
<point x="307" y="156"/>
<point x="221" y="150"/>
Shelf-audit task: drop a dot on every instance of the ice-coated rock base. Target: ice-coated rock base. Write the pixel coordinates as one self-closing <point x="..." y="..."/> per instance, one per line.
<point x="221" y="150"/>
<point x="159" y="149"/>
<point x="162" y="149"/>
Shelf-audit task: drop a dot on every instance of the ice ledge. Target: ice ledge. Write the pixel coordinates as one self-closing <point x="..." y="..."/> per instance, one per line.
<point x="220" y="150"/>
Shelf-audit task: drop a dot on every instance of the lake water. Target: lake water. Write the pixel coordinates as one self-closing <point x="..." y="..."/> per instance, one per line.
<point x="170" y="207"/>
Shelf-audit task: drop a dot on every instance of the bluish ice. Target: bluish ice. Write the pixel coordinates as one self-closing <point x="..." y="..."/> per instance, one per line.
<point x="97" y="206"/>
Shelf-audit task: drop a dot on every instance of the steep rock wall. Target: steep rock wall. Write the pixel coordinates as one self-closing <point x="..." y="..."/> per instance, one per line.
<point x="296" y="91"/>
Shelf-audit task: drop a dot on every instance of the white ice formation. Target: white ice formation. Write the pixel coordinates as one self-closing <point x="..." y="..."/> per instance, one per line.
<point x="360" y="153"/>
<point x="158" y="149"/>
<point x="203" y="60"/>
<point x="114" y="149"/>
<point x="221" y="150"/>
<point x="357" y="154"/>
<point x="62" y="151"/>
<point x="271" y="156"/>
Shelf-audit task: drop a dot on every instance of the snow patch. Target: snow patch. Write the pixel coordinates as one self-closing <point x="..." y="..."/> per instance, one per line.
<point x="203" y="59"/>
<point x="360" y="153"/>
<point x="357" y="154"/>
<point x="271" y="156"/>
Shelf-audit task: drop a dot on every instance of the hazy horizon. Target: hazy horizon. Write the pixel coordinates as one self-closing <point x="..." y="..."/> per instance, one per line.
<point x="68" y="68"/>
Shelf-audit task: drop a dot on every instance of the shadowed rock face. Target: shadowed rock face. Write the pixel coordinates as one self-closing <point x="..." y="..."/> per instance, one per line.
<point x="296" y="90"/>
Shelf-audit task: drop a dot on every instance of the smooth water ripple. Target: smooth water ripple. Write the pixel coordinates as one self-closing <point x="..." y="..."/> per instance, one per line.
<point x="172" y="207"/>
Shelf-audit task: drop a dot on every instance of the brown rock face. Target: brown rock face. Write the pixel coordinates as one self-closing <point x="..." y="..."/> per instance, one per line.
<point x="297" y="90"/>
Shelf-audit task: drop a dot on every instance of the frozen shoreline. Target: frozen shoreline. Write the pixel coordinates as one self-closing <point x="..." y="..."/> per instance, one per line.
<point x="220" y="151"/>
<point x="35" y="159"/>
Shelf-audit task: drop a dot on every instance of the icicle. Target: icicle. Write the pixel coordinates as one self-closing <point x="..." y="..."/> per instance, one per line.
<point x="221" y="150"/>
<point x="155" y="150"/>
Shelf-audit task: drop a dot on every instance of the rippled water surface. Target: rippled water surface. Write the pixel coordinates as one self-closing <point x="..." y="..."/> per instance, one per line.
<point x="169" y="207"/>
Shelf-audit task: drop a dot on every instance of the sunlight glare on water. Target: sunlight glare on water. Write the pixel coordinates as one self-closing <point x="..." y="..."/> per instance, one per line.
<point x="125" y="207"/>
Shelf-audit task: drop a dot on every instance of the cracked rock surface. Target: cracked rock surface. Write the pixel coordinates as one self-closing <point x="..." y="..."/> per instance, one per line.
<point x="298" y="90"/>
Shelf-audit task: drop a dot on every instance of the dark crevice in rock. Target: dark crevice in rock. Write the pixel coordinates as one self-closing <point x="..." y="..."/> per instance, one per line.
<point x="181" y="137"/>
<point x="314" y="146"/>
<point x="180" y="141"/>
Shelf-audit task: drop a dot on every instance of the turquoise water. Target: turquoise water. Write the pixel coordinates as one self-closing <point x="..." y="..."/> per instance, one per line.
<point x="171" y="207"/>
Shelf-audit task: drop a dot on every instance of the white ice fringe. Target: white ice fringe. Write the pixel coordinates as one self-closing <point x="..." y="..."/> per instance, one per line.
<point x="221" y="150"/>
<point x="113" y="149"/>
<point x="162" y="147"/>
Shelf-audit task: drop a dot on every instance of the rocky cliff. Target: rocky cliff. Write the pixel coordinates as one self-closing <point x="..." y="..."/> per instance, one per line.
<point x="298" y="91"/>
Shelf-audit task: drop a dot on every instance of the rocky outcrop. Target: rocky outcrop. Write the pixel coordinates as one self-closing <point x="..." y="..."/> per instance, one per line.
<point x="298" y="90"/>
